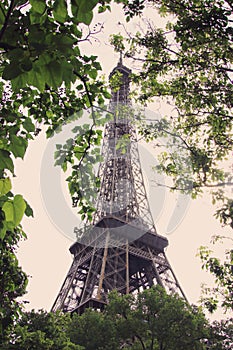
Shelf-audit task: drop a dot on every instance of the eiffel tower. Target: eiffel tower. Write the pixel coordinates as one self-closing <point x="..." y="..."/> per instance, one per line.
<point x="121" y="249"/>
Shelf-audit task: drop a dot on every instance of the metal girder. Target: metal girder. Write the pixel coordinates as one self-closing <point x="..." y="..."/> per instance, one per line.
<point x="126" y="267"/>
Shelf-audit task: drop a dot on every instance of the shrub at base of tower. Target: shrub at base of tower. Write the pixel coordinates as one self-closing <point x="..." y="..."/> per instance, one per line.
<point x="151" y="320"/>
<point x="155" y="320"/>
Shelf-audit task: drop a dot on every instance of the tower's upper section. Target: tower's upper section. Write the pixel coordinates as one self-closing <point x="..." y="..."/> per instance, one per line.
<point x="120" y="92"/>
<point x="122" y="193"/>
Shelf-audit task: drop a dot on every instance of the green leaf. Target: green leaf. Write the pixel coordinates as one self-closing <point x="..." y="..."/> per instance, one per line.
<point x="85" y="17"/>
<point x="14" y="210"/>
<point x="15" y="54"/>
<point x="35" y="17"/>
<point x="49" y="132"/>
<point x="7" y="226"/>
<point x="5" y="186"/>
<point x="28" y="125"/>
<point x="74" y="7"/>
<point x="2" y="233"/>
<point x="6" y="161"/>
<point x="93" y="73"/>
<point x="19" y="208"/>
<point x="38" y="6"/>
<point x="85" y="13"/>
<point x="53" y="74"/>
<point x="20" y="81"/>
<point x="2" y="16"/>
<point x="18" y="146"/>
<point x="28" y="210"/>
<point x="25" y="64"/>
<point x="11" y="71"/>
<point x="35" y="78"/>
<point x="86" y="6"/>
<point x="64" y="166"/>
<point x="104" y="8"/>
<point x="60" y="10"/>
<point x="64" y="44"/>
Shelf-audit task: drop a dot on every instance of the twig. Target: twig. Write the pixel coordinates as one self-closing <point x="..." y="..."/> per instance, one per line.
<point x="145" y="60"/>
<point x="84" y="81"/>
<point x="91" y="34"/>
<point x="192" y="185"/>
<point x="87" y="147"/>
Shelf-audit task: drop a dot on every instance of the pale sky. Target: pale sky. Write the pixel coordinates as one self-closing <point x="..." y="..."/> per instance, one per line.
<point x="45" y="254"/>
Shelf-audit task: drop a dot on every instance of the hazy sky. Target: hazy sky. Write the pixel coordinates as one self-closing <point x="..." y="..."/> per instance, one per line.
<point x="45" y="254"/>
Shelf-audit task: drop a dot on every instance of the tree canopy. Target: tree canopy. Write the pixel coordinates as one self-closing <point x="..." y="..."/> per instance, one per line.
<point x="189" y="64"/>
<point x="151" y="320"/>
<point x="45" y="79"/>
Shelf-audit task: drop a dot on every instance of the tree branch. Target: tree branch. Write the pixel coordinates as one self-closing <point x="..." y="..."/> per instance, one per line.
<point x="91" y="34"/>
<point x="87" y="148"/>
<point x="175" y="188"/>
<point x="145" y="60"/>
<point x="141" y="341"/>
<point x="84" y="81"/>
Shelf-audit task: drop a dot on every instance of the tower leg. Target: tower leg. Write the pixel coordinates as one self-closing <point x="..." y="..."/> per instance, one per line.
<point x="127" y="266"/>
<point x="103" y="267"/>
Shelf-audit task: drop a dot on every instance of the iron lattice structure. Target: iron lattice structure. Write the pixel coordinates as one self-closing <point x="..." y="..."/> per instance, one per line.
<point x="121" y="249"/>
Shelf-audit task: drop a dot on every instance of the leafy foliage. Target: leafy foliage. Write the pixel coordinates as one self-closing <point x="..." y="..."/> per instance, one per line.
<point x="45" y="80"/>
<point x="189" y="64"/>
<point x="153" y="320"/>
<point x="222" y="271"/>
<point x="13" y="282"/>
<point x="82" y="152"/>
<point x="156" y="320"/>
<point x="101" y="332"/>
<point x="221" y="335"/>
<point x="42" y="330"/>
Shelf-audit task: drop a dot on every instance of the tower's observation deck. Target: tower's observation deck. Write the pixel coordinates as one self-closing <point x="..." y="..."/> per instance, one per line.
<point x="120" y="249"/>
